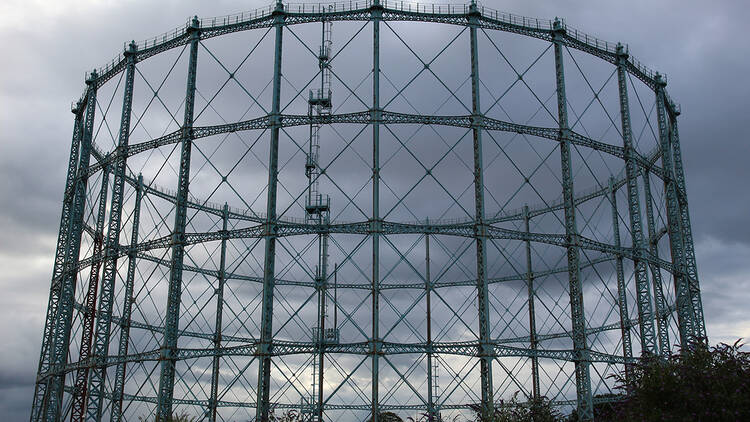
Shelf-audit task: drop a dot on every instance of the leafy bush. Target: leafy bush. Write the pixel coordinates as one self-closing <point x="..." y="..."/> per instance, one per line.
<point x="606" y="408"/>
<point x="699" y="384"/>
<point x="535" y="410"/>
<point x="288" y="416"/>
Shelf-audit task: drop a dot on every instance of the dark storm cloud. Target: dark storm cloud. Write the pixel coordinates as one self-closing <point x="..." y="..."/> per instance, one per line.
<point x="698" y="45"/>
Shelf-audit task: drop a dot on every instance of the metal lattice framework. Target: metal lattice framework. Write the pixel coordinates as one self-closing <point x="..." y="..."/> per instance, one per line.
<point x="445" y="267"/>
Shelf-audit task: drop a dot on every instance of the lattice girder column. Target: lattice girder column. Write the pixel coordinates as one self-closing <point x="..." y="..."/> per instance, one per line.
<point x="643" y="292"/>
<point x="219" y="291"/>
<point x="321" y="286"/>
<point x="89" y="310"/>
<point x="376" y="13"/>
<point x="486" y="350"/>
<point x="69" y="275"/>
<point x="684" y="307"/>
<point x="112" y="244"/>
<point x="622" y="301"/>
<point x="127" y="308"/>
<point x="533" y="342"/>
<point x="266" y="328"/>
<point x="662" y="310"/>
<point x="578" y="319"/>
<point x="431" y="415"/>
<point x="691" y="270"/>
<point x="59" y="264"/>
<point x="172" y="318"/>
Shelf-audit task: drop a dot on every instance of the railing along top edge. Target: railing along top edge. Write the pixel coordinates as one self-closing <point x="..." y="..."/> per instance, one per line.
<point x="532" y="24"/>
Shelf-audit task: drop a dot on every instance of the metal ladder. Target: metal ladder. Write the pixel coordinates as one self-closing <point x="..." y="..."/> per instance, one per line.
<point x="317" y="211"/>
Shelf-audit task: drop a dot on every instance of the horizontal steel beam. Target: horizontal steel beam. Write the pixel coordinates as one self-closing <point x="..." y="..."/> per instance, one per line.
<point x="365" y="286"/>
<point x="469" y="230"/>
<point x="511" y="215"/>
<point x="331" y="406"/>
<point x="285" y="348"/>
<point x="368" y="117"/>
<point x="79" y="307"/>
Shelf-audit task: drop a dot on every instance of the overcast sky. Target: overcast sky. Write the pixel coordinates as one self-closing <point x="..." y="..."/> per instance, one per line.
<point x="48" y="46"/>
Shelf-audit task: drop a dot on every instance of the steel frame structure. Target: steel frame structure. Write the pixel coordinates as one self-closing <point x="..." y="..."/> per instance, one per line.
<point x="92" y="385"/>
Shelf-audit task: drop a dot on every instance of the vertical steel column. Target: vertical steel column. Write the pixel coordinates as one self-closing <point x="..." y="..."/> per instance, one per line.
<point x="622" y="301"/>
<point x="684" y="308"/>
<point x="319" y="346"/>
<point x="691" y="270"/>
<point x="428" y="287"/>
<point x="127" y="307"/>
<point x="577" y="316"/>
<point x="645" y="310"/>
<point x="266" y="334"/>
<point x="106" y="296"/>
<point x="322" y="286"/>
<point x="172" y="318"/>
<point x="63" y="238"/>
<point x="336" y="296"/>
<point x="532" y="316"/>
<point x="662" y="313"/>
<point x="212" y="403"/>
<point x="89" y="313"/>
<point x="52" y="405"/>
<point x="376" y="13"/>
<point x="486" y="350"/>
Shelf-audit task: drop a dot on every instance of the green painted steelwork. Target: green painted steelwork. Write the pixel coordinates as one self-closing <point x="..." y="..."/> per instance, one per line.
<point x="559" y="333"/>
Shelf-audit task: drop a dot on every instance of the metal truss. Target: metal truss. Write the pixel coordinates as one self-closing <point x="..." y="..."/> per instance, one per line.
<point x="368" y="118"/>
<point x="283" y="348"/>
<point x="201" y="296"/>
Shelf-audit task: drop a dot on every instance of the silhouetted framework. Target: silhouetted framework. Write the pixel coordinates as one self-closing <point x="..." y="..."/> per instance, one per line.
<point x="195" y="302"/>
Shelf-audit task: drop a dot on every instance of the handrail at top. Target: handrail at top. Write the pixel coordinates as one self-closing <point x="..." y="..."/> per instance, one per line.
<point x="146" y="47"/>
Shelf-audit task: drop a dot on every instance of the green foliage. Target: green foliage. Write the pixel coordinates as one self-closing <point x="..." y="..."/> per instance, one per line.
<point x="535" y="410"/>
<point x="701" y="383"/>
<point x="426" y="418"/>
<point x="288" y="416"/>
<point x="606" y="408"/>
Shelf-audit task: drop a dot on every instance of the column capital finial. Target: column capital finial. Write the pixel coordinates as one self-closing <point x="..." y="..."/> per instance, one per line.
<point x="91" y="78"/>
<point x="661" y="81"/>
<point x="557" y="24"/>
<point x="131" y="49"/>
<point x="621" y="50"/>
